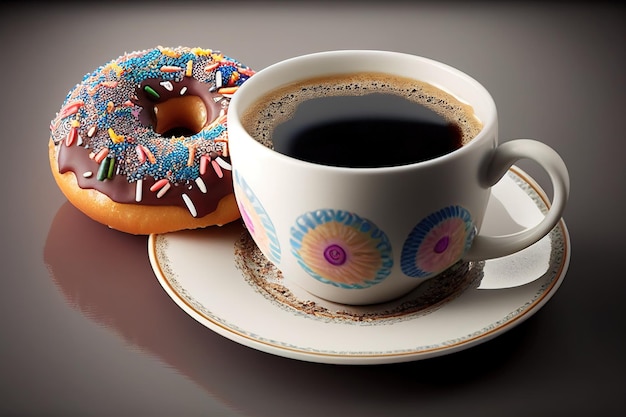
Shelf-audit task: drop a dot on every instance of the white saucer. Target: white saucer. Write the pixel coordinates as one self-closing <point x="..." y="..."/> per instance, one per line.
<point x="213" y="275"/>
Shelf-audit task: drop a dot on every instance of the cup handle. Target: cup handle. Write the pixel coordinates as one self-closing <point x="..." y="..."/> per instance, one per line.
<point x="504" y="156"/>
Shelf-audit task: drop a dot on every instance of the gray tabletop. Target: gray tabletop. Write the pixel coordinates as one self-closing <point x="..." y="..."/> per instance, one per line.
<point x="86" y="329"/>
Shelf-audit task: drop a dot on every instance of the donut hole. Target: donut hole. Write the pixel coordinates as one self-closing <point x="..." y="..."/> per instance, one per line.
<point x="180" y="116"/>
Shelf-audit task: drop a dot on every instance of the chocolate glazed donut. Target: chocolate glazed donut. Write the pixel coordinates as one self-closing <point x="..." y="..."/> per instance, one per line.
<point x="141" y="144"/>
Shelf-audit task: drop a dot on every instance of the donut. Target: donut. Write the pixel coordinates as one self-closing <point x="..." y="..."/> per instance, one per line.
<point x="141" y="144"/>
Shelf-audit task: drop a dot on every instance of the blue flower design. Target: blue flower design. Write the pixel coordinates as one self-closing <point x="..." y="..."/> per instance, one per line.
<point x="256" y="219"/>
<point x="341" y="249"/>
<point x="437" y="242"/>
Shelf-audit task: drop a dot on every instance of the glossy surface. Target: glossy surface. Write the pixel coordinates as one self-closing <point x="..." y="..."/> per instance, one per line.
<point x="86" y="328"/>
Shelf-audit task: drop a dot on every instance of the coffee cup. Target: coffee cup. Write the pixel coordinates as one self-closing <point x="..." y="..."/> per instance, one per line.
<point x="361" y="174"/>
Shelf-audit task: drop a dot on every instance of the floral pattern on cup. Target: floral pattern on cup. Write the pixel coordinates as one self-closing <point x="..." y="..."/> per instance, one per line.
<point x="341" y="249"/>
<point x="437" y="242"/>
<point x="257" y="221"/>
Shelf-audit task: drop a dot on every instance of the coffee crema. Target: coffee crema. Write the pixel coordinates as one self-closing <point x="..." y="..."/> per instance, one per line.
<point x="361" y="120"/>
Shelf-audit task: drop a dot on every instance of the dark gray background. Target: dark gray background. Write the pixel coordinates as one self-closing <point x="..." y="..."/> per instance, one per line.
<point x="86" y="329"/>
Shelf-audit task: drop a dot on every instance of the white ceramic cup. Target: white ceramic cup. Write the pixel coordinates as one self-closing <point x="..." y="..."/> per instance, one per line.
<point x="414" y="221"/>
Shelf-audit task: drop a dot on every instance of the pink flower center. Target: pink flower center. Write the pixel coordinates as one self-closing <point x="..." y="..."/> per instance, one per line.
<point x="442" y="244"/>
<point x="247" y="220"/>
<point x="335" y="255"/>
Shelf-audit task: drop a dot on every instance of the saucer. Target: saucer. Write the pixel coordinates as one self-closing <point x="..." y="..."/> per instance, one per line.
<point x="218" y="277"/>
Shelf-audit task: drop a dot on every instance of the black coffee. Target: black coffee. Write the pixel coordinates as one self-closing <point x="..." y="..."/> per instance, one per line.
<point x="361" y="120"/>
<point x="368" y="135"/>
